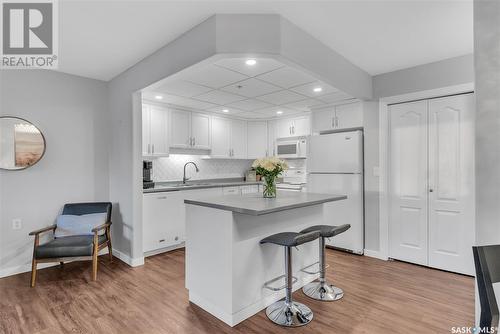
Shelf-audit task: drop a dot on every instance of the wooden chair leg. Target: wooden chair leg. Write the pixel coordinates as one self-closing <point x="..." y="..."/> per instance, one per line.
<point x="33" y="263"/>
<point x="110" y="248"/>
<point x="94" y="257"/>
<point x="33" y="273"/>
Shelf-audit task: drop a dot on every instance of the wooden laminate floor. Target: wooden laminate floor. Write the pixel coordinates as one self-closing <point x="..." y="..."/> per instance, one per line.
<point x="380" y="297"/>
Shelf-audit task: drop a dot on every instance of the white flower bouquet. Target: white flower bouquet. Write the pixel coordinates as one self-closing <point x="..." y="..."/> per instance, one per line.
<point x="269" y="168"/>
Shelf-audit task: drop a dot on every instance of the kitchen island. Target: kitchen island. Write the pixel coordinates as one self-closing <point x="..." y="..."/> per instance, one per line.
<point x="226" y="266"/>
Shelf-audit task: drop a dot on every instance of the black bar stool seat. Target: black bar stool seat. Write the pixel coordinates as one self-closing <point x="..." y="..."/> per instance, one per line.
<point x="321" y="290"/>
<point x="327" y="231"/>
<point x="286" y="312"/>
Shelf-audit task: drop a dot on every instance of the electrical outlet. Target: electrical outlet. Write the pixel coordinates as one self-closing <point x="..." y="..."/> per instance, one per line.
<point x="17" y="224"/>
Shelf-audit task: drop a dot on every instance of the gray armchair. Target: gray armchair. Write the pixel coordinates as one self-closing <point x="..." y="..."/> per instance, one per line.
<point x="75" y="247"/>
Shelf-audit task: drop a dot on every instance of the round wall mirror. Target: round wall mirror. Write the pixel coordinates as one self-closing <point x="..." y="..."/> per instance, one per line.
<point x="21" y="143"/>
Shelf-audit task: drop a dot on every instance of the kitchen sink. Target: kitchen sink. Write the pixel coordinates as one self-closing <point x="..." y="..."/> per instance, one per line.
<point x="191" y="184"/>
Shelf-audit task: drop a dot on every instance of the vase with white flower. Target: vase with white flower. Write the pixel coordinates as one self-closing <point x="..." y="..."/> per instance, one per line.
<point x="269" y="168"/>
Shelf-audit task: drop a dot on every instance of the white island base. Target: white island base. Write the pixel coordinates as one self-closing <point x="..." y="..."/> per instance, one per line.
<point x="226" y="266"/>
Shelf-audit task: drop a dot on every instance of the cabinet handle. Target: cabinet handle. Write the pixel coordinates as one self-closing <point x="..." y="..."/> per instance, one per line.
<point x="149" y="148"/>
<point x="337" y="122"/>
<point x="293" y="129"/>
<point x="161" y="197"/>
<point x="194" y="141"/>
<point x="333" y="122"/>
<point x="152" y="148"/>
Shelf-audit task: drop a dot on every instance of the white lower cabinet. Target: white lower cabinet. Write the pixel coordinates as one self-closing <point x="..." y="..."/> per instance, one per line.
<point x="164" y="215"/>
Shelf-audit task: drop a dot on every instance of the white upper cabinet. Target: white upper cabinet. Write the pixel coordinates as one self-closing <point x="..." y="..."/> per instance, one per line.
<point x="346" y="116"/>
<point x="189" y="130"/>
<point x="221" y="137"/>
<point x="229" y="138"/>
<point x="301" y="126"/>
<point x="238" y="139"/>
<point x="200" y="131"/>
<point x="180" y="129"/>
<point x="154" y="131"/>
<point x="349" y="115"/>
<point x="271" y="138"/>
<point x="293" y="127"/>
<point x="257" y="139"/>
<point x="324" y="119"/>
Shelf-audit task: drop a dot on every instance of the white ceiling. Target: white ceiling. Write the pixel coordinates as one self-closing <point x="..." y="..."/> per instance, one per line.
<point x="102" y="39"/>
<point x="265" y="90"/>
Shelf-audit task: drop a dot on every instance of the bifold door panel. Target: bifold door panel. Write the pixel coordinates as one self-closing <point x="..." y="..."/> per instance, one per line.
<point x="432" y="182"/>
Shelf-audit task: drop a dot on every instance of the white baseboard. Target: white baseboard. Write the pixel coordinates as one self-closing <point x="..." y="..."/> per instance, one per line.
<point x="24" y="268"/>
<point x="164" y="250"/>
<point x="375" y="254"/>
<point x="133" y="262"/>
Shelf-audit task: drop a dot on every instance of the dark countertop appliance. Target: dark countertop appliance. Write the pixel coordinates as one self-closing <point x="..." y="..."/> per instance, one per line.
<point x="147" y="174"/>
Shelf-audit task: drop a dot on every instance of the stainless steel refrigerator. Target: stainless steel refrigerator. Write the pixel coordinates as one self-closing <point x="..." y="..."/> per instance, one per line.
<point x="335" y="166"/>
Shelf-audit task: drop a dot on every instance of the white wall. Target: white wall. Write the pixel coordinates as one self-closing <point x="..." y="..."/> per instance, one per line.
<point x="487" y="66"/>
<point x="444" y="73"/>
<point x="71" y="112"/>
<point x="371" y="181"/>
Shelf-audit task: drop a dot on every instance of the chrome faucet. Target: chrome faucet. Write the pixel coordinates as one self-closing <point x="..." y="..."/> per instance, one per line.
<point x="184" y="178"/>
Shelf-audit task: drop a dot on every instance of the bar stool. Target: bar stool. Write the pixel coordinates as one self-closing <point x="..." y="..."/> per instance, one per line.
<point x="286" y="312"/>
<point x="321" y="290"/>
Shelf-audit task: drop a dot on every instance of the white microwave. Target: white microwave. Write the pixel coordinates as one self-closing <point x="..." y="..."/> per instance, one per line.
<point x="296" y="148"/>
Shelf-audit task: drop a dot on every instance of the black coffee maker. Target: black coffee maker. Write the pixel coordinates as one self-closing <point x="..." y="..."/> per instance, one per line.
<point x="147" y="177"/>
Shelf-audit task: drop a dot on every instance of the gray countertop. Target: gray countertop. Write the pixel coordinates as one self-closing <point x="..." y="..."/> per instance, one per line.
<point x="198" y="184"/>
<point x="256" y="205"/>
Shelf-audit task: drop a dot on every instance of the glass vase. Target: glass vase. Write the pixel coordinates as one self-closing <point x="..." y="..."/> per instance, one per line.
<point x="269" y="187"/>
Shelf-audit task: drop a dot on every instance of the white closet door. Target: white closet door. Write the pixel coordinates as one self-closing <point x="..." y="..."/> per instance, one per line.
<point x="451" y="183"/>
<point x="408" y="182"/>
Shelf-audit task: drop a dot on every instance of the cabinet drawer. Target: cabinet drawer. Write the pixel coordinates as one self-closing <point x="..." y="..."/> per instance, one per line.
<point x="231" y="191"/>
<point x="250" y="189"/>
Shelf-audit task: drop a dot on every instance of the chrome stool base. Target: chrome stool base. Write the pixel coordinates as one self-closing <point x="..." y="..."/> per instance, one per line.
<point x="289" y="314"/>
<point x="323" y="291"/>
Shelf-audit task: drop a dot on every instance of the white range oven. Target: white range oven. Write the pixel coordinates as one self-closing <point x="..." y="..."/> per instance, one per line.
<point x="293" y="180"/>
<point x="291" y="148"/>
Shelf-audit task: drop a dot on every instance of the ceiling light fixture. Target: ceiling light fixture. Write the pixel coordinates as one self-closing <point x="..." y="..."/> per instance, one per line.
<point x="225" y="110"/>
<point x="159" y="97"/>
<point x="317" y="89"/>
<point x="279" y="112"/>
<point x="251" y="62"/>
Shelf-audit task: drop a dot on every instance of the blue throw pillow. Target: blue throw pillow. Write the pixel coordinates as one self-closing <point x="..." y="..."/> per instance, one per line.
<point x="68" y="225"/>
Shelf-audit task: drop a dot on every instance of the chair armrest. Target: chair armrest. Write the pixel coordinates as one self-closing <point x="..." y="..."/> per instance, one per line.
<point x="45" y="229"/>
<point x="101" y="227"/>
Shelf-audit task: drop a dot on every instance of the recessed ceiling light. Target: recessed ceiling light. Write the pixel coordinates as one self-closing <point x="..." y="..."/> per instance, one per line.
<point x="317" y="89"/>
<point x="251" y="62"/>
<point x="279" y="112"/>
<point x="159" y="97"/>
<point x="225" y="110"/>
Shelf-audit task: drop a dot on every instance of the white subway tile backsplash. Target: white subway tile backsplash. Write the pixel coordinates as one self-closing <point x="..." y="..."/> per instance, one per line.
<point x="171" y="168"/>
